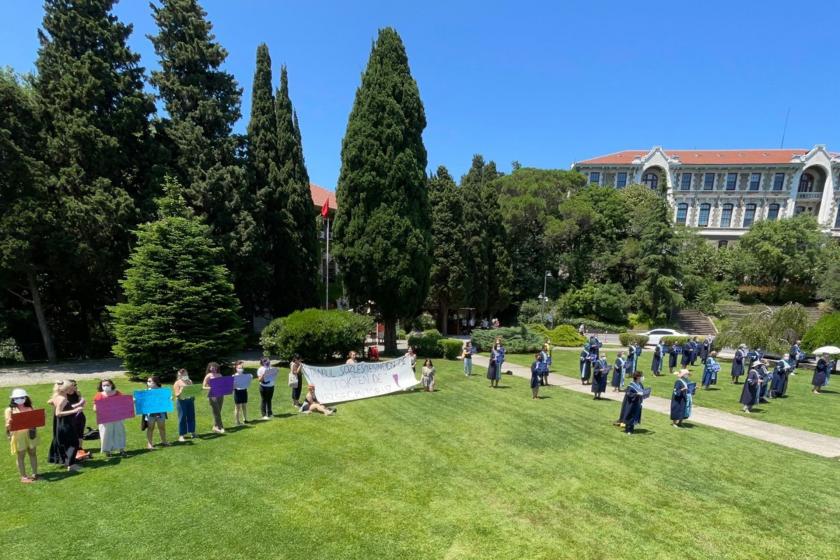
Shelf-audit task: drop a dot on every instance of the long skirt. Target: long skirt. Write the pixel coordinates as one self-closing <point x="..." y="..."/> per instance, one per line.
<point x="112" y="436"/>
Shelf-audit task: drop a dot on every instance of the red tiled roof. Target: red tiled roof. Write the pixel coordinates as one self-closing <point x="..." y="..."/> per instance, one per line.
<point x="704" y="157"/>
<point x="320" y="194"/>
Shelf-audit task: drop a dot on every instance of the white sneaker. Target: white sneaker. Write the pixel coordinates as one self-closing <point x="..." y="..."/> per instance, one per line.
<point x="265" y="418"/>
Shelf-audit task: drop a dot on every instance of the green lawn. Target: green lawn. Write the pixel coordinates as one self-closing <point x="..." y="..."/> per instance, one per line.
<point x="466" y="472"/>
<point x="799" y="409"/>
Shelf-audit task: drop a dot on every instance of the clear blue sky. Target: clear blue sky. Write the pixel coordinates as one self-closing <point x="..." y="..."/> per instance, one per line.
<point x="544" y="83"/>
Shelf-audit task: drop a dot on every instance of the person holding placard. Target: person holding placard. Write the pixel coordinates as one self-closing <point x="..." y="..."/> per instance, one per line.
<point x="65" y="436"/>
<point x="296" y="376"/>
<point x="111" y="434"/>
<point x="267" y="377"/>
<point x="186" y="406"/>
<point x="23" y="442"/>
<point x="241" y="381"/>
<point x="155" y="418"/>
<point x="216" y="403"/>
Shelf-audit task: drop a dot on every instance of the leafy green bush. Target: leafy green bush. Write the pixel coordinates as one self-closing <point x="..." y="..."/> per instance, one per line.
<point x="607" y="302"/>
<point x="591" y="325"/>
<point x="424" y="322"/>
<point x="532" y="312"/>
<point x="316" y="334"/>
<point x="561" y="335"/>
<point x="627" y="338"/>
<point x="9" y="351"/>
<point x="772" y="330"/>
<point x="825" y="332"/>
<point x="426" y="343"/>
<point x="787" y="293"/>
<point x="450" y="348"/>
<point x="517" y="340"/>
<point x="669" y="340"/>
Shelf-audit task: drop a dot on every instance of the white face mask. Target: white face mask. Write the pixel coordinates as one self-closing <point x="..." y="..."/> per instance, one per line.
<point x="184" y="377"/>
<point x="20" y="401"/>
<point x="150" y="384"/>
<point x="240" y="370"/>
<point x="641" y="380"/>
<point x="107" y="388"/>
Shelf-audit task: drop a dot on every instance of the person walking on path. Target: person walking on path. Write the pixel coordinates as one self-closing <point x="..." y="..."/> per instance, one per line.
<point x="681" y="399"/>
<point x="749" y="394"/>
<point x="536" y="370"/>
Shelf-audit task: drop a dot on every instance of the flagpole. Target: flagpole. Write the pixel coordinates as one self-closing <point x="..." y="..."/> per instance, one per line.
<point x="327" y="268"/>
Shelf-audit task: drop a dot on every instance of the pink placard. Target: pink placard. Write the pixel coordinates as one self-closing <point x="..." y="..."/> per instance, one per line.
<point x="114" y="409"/>
<point x="221" y="386"/>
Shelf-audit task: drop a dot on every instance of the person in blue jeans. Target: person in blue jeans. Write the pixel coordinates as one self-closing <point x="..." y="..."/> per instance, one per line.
<point x="467" y="354"/>
<point x="185" y="406"/>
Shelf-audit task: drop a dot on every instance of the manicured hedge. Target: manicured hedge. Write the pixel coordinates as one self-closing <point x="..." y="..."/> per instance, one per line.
<point x="680" y="340"/>
<point x="426" y="343"/>
<point x="451" y="348"/>
<point x="316" y="334"/>
<point x="516" y="340"/>
<point x="825" y="332"/>
<point x="627" y="338"/>
<point x="561" y="335"/>
<point x="592" y="325"/>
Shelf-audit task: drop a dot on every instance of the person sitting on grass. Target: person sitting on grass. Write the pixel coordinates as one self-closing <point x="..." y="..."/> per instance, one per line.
<point x="23" y="442"/>
<point x="311" y="404"/>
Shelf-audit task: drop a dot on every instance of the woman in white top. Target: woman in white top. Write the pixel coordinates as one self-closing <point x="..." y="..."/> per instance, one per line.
<point x="351" y="358"/>
<point x="267" y="377"/>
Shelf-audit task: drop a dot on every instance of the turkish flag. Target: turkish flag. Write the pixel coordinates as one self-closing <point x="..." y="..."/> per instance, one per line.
<point x="325" y="209"/>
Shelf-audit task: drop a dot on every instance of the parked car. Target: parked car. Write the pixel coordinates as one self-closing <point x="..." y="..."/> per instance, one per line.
<point x="655" y="335"/>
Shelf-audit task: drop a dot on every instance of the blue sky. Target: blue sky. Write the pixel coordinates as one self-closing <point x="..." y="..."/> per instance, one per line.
<point x="544" y="83"/>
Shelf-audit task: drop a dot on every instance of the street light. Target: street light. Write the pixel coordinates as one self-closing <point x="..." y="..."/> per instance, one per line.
<point x="543" y="295"/>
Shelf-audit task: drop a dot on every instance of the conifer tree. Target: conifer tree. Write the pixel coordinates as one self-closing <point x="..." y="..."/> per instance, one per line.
<point x="382" y="226"/>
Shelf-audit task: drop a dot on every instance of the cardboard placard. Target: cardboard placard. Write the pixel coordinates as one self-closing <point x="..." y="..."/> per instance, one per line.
<point x="114" y="409"/>
<point x="221" y="386"/>
<point x="27" y="420"/>
<point x="242" y="381"/>
<point x="153" y="401"/>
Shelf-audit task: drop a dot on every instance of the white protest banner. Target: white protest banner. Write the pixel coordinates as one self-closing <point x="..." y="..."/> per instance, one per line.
<point x="349" y="382"/>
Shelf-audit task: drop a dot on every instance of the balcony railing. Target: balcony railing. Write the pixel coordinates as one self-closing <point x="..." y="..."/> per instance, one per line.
<point x="808" y="195"/>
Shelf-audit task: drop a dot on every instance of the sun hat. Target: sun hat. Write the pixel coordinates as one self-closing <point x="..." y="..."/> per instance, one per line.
<point x="19" y="394"/>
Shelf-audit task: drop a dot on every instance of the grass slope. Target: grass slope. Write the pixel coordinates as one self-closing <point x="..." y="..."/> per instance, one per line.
<point x="466" y="472"/>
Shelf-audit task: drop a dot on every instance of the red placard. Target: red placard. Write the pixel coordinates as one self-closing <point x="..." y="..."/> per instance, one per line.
<point x="28" y="419"/>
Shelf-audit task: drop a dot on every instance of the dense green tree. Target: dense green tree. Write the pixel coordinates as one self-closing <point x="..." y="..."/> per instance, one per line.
<point x="303" y="250"/>
<point x="97" y="146"/>
<point x="450" y="275"/>
<point x="383" y="223"/>
<point x="180" y="309"/>
<point x="829" y="275"/>
<point x="774" y="330"/>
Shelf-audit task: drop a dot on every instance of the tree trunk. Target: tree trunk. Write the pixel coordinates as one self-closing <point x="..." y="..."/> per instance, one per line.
<point x="443" y="316"/>
<point x="46" y="335"/>
<point x="390" y="336"/>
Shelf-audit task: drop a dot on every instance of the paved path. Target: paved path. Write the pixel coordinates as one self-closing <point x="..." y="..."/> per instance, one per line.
<point x="809" y="442"/>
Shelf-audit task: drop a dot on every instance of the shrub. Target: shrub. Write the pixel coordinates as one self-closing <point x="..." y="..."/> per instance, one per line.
<point x="787" y="293"/>
<point x="772" y="330"/>
<point x="517" y="340"/>
<point x="450" y="348"/>
<point x="592" y="325"/>
<point x="607" y="302"/>
<point x="426" y="343"/>
<point x="9" y="351"/>
<point x="669" y="340"/>
<point x="825" y="332"/>
<point x="561" y="335"/>
<point x="754" y="294"/>
<point x="627" y="338"/>
<point x="532" y="312"/>
<point x="316" y="334"/>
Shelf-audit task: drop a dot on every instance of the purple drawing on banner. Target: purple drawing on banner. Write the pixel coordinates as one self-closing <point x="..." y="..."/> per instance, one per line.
<point x="396" y="379"/>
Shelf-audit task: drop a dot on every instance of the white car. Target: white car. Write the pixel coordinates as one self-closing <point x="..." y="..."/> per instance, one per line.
<point x="655" y="335"/>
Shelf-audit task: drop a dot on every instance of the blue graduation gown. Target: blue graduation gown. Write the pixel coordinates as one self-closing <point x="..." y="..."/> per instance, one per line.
<point x="634" y="397"/>
<point x="710" y="371"/>
<point x="704" y="351"/>
<point x="601" y="370"/>
<point x="585" y="366"/>
<point x="679" y="400"/>
<point x="738" y="363"/>
<point x="820" y="377"/>
<point x="536" y="368"/>
<point x="780" y="378"/>
<point x="686" y="354"/>
<point x="656" y="364"/>
<point x="618" y="373"/>
<point x="749" y="394"/>
<point x="672" y="356"/>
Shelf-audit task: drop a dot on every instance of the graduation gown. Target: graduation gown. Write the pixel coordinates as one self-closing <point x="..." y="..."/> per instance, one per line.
<point x="749" y="394"/>
<point x="656" y="364"/>
<point x="618" y="373"/>
<point x="686" y="354"/>
<point x="766" y="379"/>
<point x="680" y="400"/>
<point x="710" y="371"/>
<point x="704" y="351"/>
<point x="601" y="369"/>
<point x="820" y="377"/>
<point x="536" y="369"/>
<point x="672" y="356"/>
<point x="695" y="350"/>
<point x="491" y="370"/>
<point x="634" y="397"/>
<point x="738" y="363"/>
<point x="780" y="378"/>
<point x="585" y="366"/>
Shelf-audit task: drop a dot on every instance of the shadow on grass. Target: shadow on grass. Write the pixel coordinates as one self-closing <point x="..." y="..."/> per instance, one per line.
<point x="643" y="432"/>
<point x="234" y="429"/>
<point x="827" y="391"/>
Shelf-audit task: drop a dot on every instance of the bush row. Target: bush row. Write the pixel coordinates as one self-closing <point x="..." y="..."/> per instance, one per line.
<point x="770" y="294"/>
<point x="592" y="325"/>
<point x="627" y="338"/>
<point x="517" y="340"/>
<point x="561" y="335"/>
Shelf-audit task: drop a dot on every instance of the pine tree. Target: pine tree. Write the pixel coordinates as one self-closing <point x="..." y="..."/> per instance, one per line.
<point x="382" y="226"/>
<point x="450" y="278"/>
<point x="96" y="127"/>
<point x="301" y="290"/>
<point x="180" y="309"/>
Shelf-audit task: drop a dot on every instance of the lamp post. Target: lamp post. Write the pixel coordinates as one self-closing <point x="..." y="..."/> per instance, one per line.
<point x="543" y="295"/>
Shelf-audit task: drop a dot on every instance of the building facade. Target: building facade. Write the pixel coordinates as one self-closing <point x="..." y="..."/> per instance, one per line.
<point x="722" y="192"/>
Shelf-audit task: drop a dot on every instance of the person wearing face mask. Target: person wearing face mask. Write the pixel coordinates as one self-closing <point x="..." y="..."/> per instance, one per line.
<point x="185" y="406"/>
<point x="267" y="377"/>
<point x="112" y="434"/>
<point x="216" y="403"/>
<point x="156" y="418"/>
<point x="23" y="442"/>
<point x="75" y="398"/>
<point x="240" y="393"/>
<point x="65" y="437"/>
<point x="633" y="396"/>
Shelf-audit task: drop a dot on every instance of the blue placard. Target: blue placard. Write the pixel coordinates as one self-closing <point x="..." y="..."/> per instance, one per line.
<point x="153" y="400"/>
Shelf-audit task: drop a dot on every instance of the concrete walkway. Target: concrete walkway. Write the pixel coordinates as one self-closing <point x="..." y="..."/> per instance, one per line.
<point x="801" y="440"/>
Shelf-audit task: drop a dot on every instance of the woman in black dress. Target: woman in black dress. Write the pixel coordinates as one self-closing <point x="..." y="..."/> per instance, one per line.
<point x="77" y="401"/>
<point x="65" y="432"/>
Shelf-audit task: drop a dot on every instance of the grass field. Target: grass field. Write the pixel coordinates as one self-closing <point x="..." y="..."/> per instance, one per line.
<point x="466" y="472"/>
<point x="800" y="408"/>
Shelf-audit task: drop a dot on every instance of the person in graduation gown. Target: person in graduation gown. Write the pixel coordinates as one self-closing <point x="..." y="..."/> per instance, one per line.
<point x="600" y="372"/>
<point x="821" y="373"/>
<point x="686" y="353"/>
<point x="585" y="366"/>
<point x="766" y="380"/>
<point x="536" y="375"/>
<point x="681" y="399"/>
<point x="780" y="377"/>
<point x="491" y="372"/>
<point x="673" y="352"/>
<point x="710" y="370"/>
<point x="617" y="381"/>
<point x="749" y="394"/>
<point x="631" y="356"/>
<point x="752" y="356"/>
<point x="634" y="395"/>
<point x="656" y="363"/>
<point x="544" y="363"/>
<point x="594" y="344"/>
<point x="738" y="363"/>
<point x="695" y="351"/>
<point x="705" y="348"/>
<point x="796" y="356"/>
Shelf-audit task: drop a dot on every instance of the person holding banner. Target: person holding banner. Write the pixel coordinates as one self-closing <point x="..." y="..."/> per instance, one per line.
<point x="111" y="434"/>
<point x="65" y="436"/>
<point x="296" y="375"/>
<point x="216" y="403"/>
<point x="267" y="377"/>
<point x="156" y="418"/>
<point x="23" y="442"/>
<point x="241" y="380"/>
<point x="185" y="405"/>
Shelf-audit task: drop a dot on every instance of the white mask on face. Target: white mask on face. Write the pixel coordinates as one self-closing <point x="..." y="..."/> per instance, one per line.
<point x="240" y="370"/>
<point x="641" y="380"/>
<point x="107" y="388"/>
<point x="20" y="401"/>
<point x="150" y="384"/>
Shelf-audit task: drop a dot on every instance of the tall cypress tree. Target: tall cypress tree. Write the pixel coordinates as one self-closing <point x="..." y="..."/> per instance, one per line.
<point x="301" y="290"/>
<point x="382" y="227"/>
<point x="96" y="118"/>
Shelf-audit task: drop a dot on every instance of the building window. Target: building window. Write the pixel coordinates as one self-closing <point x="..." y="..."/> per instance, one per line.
<point x="749" y="215"/>
<point x="651" y="180"/>
<point x="806" y="183"/>
<point x="708" y="181"/>
<point x="798" y="210"/>
<point x="595" y="177"/>
<point x="755" y="181"/>
<point x="772" y="212"/>
<point x="726" y="215"/>
<point x="731" y="181"/>
<point x="703" y="219"/>
<point x="621" y="179"/>
<point x="682" y="212"/>
<point x="778" y="181"/>
<point x="685" y="182"/>
<point x="722" y="243"/>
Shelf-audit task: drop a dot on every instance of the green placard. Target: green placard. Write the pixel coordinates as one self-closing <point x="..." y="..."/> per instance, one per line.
<point x="194" y="390"/>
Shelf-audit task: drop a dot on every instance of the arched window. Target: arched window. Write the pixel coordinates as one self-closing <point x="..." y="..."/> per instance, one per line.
<point x="703" y="219"/>
<point x="772" y="212"/>
<point x="749" y="215"/>
<point x="682" y="212"/>
<point x="726" y="215"/>
<point x="806" y="183"/>
<point x="651" y="180"/>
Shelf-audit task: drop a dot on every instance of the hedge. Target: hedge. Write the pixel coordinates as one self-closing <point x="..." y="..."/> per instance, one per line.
<point x="669" y="340"/>
<point x="516" y="340"/>
<point x="561" y="335"/>
<point x="316" y="334"/>
<point x="825" y="332"/>
<point x="749" y="294"/>
<point x="451" y="348"/>
<point x="627" y="338"/>
<point x="592" y="325"/>
<point x="426" y="343"/>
